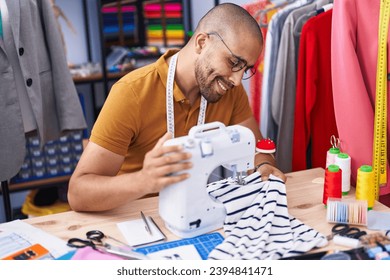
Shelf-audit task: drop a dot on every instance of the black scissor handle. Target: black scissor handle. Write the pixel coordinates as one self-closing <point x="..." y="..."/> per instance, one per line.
<point x="80" y="243"/>
<point x="359" y="234"/>
<point x="95" y="235"/>
<point x="345" y="230"/>
<point x="354" y="232"/>
<point x="340" y="229"/>
<point x="351" y="232"/>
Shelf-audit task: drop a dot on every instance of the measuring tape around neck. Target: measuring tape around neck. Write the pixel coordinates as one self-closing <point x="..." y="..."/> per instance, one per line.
<point x="380" y="124"/>
<point x="169" y="99"/>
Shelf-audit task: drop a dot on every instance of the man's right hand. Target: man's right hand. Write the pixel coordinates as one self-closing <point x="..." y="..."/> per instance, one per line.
<point x="161" y="162"/>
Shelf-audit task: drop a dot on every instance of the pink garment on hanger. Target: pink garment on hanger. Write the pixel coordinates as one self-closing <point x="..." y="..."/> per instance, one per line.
<point x="354" y="60"/>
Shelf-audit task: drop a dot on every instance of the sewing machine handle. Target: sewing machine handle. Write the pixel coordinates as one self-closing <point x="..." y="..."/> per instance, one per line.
<point x="201" y="129"/>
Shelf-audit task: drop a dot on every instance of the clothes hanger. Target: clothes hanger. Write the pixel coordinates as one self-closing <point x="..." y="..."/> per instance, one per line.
<point x="305" y="17"/>
<point x="263" y="13"/>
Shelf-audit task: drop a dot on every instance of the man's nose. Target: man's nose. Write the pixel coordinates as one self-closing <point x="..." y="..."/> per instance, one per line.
<point x="236" y="77"/>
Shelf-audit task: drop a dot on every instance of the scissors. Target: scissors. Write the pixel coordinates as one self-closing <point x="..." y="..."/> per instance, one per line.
<point x="347" y="231"/>
<point x="95" y="240"/>
<point x="335" y="142"/>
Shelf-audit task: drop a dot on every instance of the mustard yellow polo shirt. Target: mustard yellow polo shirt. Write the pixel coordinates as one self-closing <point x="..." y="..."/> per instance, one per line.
<point x="133" y="117"/>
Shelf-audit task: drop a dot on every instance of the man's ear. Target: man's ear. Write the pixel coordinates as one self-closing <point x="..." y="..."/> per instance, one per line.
<point x="200" y="42"/>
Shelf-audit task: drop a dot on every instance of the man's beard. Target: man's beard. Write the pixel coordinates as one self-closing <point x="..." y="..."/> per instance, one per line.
<point x="205" y="87"/>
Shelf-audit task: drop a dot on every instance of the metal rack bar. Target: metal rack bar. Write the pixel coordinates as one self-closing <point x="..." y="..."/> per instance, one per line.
<point x="6" y="200"/>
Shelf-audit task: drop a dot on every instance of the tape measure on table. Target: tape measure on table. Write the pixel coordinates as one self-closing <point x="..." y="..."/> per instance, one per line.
<point x="380" y="124"/>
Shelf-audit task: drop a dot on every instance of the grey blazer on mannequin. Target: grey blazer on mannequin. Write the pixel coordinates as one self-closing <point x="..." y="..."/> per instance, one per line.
<point x="30" y="27"/>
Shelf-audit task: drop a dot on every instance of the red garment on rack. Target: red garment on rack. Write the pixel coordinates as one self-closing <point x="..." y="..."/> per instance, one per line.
<point x="314" y="121"/>
<point x="256" y="81"/>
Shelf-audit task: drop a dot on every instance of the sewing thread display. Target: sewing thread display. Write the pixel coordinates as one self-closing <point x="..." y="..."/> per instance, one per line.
<point x="332" y="185"/>
<point x="365" y="185"/>
<point x="346" y="211"/>
<point x="343" y="160"/>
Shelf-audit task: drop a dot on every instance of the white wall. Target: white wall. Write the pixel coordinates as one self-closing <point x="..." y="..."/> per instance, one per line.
<point x="75" y="42"/>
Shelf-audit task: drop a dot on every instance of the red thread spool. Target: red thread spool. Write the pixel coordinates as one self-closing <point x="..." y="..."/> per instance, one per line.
<point x="332" y="186"/>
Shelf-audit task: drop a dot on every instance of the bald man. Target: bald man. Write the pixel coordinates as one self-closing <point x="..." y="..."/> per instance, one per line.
<point x="125" y="158"/>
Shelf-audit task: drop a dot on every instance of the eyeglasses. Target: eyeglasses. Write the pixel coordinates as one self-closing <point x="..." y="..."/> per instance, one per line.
<point x="239" y="63"/>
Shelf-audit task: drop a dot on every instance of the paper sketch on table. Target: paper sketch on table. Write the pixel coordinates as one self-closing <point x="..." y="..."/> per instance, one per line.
<point x="18" y="235"/>
<point x="136" y="233"/>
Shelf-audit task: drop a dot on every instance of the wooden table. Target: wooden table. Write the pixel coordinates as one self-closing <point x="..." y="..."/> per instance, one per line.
<point x="304" y="196"/>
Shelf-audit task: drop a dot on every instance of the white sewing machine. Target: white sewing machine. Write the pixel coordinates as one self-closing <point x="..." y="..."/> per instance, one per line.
<point x="186" y="207"/>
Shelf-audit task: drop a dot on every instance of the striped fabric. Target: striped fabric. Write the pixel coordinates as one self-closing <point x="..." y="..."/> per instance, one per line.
<point x="258" y="225"/>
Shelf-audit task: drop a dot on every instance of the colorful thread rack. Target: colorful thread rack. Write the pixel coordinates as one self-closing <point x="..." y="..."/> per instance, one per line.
<point x="346" y="211"/>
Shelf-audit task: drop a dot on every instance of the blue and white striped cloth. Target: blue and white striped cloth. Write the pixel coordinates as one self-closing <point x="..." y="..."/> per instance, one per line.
<point x="258" y="225"/>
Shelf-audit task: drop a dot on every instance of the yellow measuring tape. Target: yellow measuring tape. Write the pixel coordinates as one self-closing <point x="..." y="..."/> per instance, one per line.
<point x="380" y="124"/>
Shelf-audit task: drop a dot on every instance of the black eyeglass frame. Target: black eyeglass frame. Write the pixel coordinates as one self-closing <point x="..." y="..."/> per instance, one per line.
<point x="237" y="67"/>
